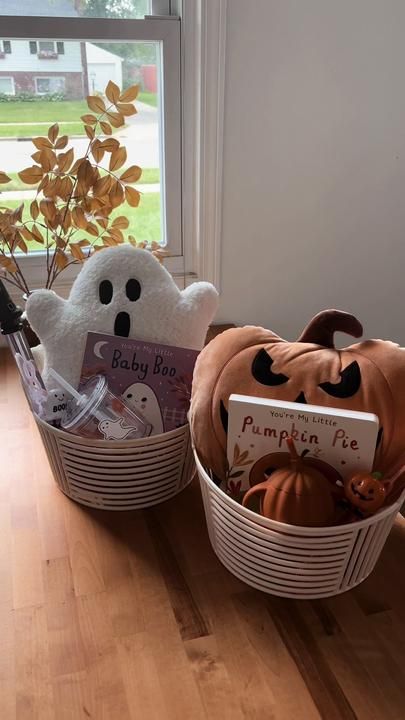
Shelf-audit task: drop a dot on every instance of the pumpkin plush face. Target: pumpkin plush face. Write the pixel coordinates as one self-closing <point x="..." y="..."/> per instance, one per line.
<point x="368" y="376"/>
<point x="366" y="492"/>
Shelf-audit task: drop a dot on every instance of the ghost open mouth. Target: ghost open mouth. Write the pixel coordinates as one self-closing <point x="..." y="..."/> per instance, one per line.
<point x="122" y="324"/>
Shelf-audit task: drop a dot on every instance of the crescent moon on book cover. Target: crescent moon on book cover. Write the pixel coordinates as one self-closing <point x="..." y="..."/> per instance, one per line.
<point x="97" y="348"/>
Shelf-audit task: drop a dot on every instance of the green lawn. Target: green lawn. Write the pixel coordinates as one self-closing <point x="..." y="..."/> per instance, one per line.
<point x="149" y="176"/>
<point x="42" y="111"/>
<point x="29" y="131"/>
<point x="50" y="112"/>
<point x="144" y="221"/>
<point x="148" y="98"/>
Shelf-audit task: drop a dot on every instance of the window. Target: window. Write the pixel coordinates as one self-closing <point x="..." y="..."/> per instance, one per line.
<point x="7" y="86"/>
<point x="49" y="85"/>
<point x="144" y="51"/>
<point x="7" y="47"/>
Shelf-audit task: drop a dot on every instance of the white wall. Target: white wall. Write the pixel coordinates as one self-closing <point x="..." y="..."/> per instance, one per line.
<point x="314" y="163"/>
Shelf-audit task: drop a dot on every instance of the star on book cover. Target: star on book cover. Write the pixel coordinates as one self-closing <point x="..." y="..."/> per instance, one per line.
<point x="151" y="378"/>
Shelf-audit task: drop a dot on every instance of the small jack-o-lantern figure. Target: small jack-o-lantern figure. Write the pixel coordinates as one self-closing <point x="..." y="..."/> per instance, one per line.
<point x="367" y="376"/>
<point x="366" y="491"/>
<point x="297" y="494"/>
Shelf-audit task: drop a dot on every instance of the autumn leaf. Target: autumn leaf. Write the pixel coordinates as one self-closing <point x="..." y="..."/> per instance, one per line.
<point x="36" y="234"/>
<point x="131" y="175"/>
<point x="236" y="474"/>
<point x="53" y="132"/>
<point x="116" y="194"/>
<point x="106" y="128"/>
<point x="116" y="234"/>
<point x="47" y="159"/>
<point x="91" y="228"/>
<point x="8" y="263"/>
<point x="22" y="245"/>
<point x="79" y="218"/>
<point x="85" y="174"/>
<point x="61" y="259"/>
<point x="61" y="142"/>
<point x="90" y="132"/>
<point x="117" y="159"/>
<point x="77" y="252"/>
<point x="112" y="92"/>
<point x="110" y="144"/>
<point x="236" y="453"/>
<point x="95" y="103"/>
<point x="4" y="178"/>
<point x="97" y="151"/>
<point x="48" y="209"/>
<point x="130" y="94"/>
<point x="31" y="175"/>
<point x="42" y="142"/>
<point x="126" y="109"/>
<point x="116" y="119"/>
<point x="132" y="241"/>
<point x="132" y="196"/>
<point x="34" y="210"/>
<point x="120" y="222"/>
<point x="102" y="186"/>
<point x="89" y="119"/>
<point x="65" y="160"/>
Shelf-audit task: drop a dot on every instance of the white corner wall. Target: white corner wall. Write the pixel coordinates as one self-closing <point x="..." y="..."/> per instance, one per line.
<point x="314" y="163"/>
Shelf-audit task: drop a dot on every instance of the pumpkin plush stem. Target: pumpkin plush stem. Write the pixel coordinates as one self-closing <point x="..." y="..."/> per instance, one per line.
<point x="295" y="458"/>
<point x="321" y="329"/>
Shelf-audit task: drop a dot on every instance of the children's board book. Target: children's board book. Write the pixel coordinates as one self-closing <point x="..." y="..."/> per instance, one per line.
<point x="258" y="429"/>
<point x="151" y="378"/>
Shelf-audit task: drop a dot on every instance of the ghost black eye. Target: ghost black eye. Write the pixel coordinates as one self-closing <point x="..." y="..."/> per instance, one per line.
<point x="144" y="399"/>
<point x="105" y="291"/>
<point x="348" y="384"/>
<point x="133" y="290"/>
<point x="262" y="372"/>
<point x="129" y="395"/>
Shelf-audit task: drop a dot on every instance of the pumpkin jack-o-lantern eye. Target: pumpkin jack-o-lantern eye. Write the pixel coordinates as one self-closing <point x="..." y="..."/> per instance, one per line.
<point x="262" y="372"/>
<point x="350" y="380"/>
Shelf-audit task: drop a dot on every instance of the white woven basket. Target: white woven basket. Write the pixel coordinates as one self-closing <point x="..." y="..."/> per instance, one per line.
<point x="126" y="475"/>
<point x="287" y="560"/>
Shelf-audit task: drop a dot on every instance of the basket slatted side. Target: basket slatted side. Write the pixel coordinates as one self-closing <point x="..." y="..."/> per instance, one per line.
<point x="127" y="475"/>
<point x="290" y="561"/>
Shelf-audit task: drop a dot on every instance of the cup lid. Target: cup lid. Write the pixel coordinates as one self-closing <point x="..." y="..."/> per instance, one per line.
<point x="92" y="394"/>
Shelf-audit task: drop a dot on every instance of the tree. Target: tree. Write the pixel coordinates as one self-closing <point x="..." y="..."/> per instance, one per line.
<point x="134" y="54"/>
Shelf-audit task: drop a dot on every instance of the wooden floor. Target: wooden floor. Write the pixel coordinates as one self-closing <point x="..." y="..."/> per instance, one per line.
<point x="131" y="617"/>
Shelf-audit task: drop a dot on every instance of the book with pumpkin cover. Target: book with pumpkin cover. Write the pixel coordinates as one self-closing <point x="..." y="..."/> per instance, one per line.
<point x="152" y="378"/>
<point x="339" y="442"/>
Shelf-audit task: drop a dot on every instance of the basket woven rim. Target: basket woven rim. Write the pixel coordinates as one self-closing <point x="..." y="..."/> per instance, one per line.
<point x="93" y="442"/>
<point x="270" y="524"/>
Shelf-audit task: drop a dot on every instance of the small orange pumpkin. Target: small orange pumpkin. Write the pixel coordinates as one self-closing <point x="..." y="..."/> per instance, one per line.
<point x="296" y="494"/>
<point x="366" y="491"/>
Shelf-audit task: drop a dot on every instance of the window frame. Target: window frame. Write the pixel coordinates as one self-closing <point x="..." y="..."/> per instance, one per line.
<point x="49" y="77"/>
<point x="166" y="31"/>
<point x="6" y="52"/>
<point x="8" y="77"/>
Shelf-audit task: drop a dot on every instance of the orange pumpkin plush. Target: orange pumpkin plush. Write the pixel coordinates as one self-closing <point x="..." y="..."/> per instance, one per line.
<point x="368" y="376"/>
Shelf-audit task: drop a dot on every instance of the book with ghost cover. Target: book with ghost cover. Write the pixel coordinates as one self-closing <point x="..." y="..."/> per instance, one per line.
<point x="151" y="378"/>
<point x="258" y="429"/>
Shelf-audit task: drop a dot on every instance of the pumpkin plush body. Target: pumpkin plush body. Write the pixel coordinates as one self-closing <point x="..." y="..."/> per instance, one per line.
<point x="368" y="376"/>
<point x="296" y="493"/>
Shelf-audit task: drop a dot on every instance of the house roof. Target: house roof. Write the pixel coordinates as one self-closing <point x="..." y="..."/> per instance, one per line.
<point x="96" y="54"/>
<point x="46" y="8"/>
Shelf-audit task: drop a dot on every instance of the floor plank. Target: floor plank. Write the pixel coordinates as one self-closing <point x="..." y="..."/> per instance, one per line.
<point x="131" y="615"/>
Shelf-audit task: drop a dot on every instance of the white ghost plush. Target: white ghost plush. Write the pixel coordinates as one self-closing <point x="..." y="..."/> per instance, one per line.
<point x="120" y="291"/>
<point x="141" y="397"/>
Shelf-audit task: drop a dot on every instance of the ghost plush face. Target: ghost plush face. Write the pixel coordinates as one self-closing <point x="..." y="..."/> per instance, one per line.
<point x="120" y="291"/>
<point x="141" y="398"/>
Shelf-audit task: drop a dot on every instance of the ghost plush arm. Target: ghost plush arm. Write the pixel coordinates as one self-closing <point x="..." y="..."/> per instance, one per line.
<point x="44" y="312"/>
<point x="198" y="305"/>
